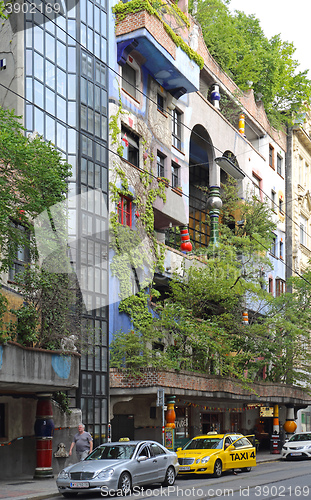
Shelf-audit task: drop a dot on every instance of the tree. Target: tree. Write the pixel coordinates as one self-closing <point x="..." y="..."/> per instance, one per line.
<point x="239" y="45"/>
<point x="32" y="178"/>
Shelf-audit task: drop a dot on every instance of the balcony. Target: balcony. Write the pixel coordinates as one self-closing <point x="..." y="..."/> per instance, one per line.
<point x="175" y="68"/>
<point x="31" y="370"/>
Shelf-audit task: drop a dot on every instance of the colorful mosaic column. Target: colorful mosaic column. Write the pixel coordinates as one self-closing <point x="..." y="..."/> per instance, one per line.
<point x="170" y="416"/>
<point x="214" y="205"/>
<point x="44" y="430"/>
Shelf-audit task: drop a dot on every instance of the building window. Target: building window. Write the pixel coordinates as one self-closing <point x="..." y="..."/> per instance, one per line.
<point x="160" y="102"/>
<point x="160" y="165"/>
<point x="279" y="164"/>
<point x="125" y="211"/>
<point x="271" y="156"/>
<point x="300" y="160"/>
<point x="176" y="129"/>
<point x="271" y="286"/>
<point x="303" y="230"/>
<point x="281" y="206"/>
<point x="256" y="186"/>
<point x="129" y="80"/>
<point x="130" y="143"/>
<point x="273" y="246"/>
<point x="280" y="287"/>
<point x="273" y="204"/>
<point x="281" y="250"/>
<point x="21" y="258"/>
<point x="175" y="175"/>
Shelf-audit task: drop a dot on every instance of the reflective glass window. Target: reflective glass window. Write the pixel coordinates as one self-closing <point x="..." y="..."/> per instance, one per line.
<point x="50" y="74"/>
<point x="38" y="93"/>
<point x="50" y="101"/>
<point x="38" y="39"/>
<point x="61" y="82"/>
<point x="61" y="55"/>
<point x="50" y="46"/>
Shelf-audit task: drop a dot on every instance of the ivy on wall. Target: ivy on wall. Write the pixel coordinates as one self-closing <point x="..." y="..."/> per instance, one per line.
<point x="154" y="7"/>
<point x="136" y="251"/>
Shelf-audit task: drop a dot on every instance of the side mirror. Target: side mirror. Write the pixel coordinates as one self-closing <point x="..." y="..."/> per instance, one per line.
<point x="231" y="447"/>
<point x="179" y="449"/>
<point x="142" y="459"/>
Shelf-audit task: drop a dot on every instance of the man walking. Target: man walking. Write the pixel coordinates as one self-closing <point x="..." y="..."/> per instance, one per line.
<point x="83" y="441"/>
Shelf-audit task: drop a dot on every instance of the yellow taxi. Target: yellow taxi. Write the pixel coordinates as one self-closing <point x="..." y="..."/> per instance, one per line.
<point x="214" y="453"/>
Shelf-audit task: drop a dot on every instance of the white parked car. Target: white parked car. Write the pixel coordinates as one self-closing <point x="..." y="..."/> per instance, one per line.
<point x="116" y="468"/>
<point x="298" y="446"/>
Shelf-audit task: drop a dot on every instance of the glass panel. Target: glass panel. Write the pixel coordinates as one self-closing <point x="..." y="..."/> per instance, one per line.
<point x="72" y="86"/>
<point x="96" y="18"/>
<point x="104" y="102"/>
<point x="103" y="23"/>
<point x="97" y="45"/>
<point x="29" y="62"/>
<point x="90" y="14"/>
<point x="61" y="55"/>
<point x="98" y="389"/>
<point x="83" y="117"/>
<point x="72" y="113"/>
<point x="90" y="121"/>
<point x="83" y="10"/>
<point x="104" y="359"/>
<point x="50" y="46"/>
<point x="97" y="358"/>
<point x="72" y="59"/>
<point x="38" y="66"/>
<point x="72" y="141"/>
<point x="38" y="39"/>
<point x="97" y="411"/>
<point x="83" y="170"/>
<point x="90" y="36"/>
<point x="97" y="173"/>
<point x="50" y="129"/>
<point x="61" y="82"/>
<point x="50" y="26"/>
<point x="90" y="97"/>
<point x="97" y="99"/>
<point x="83" y="35"/>
<point x="29" y="88"/>
<point x="50" y="101"/>
<point x="72" y="162"/>
<point x="61" y="34"/>
<point x="71" y="31"/>
<point x="29" y="35"/>
<point x="50" y="74"/>
<point x="38" y="125"/>
<point x="104" y="51"/>
<point x="61" y="137"/>
<point x="29" y="121"/>
<point x="61" y="108"/>
<point x="90" y="177"/>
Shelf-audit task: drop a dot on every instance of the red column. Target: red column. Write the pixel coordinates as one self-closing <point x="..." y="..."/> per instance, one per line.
<point x="44" y="430"/>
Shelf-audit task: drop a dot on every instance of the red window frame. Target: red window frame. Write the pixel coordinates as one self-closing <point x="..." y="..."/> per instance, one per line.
<point x="125" y="210"/>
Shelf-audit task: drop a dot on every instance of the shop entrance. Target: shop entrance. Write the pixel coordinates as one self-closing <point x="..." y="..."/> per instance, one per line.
<point x="212" y="422"/>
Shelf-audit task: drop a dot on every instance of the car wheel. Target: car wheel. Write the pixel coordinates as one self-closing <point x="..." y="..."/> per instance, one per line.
<point x="125" y="483"/>
<point x="217" y="468"/>
<point x="69" y="495"/>
<point x="169" y="477"/>
<point x="246" y="469"/>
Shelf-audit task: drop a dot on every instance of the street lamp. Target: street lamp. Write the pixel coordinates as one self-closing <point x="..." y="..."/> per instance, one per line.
<point x="230" y="167"/>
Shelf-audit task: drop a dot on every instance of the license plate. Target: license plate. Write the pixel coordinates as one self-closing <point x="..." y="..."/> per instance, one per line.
<point x="296" y="454"/>
<point x="79" y="485"/>
<point x="184" y="467"/>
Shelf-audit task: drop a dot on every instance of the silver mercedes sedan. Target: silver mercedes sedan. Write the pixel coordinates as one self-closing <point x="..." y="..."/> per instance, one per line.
<point x="117" y="468"/>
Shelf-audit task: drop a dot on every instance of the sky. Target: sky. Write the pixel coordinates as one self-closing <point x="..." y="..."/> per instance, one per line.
<point x="291" y="19"/>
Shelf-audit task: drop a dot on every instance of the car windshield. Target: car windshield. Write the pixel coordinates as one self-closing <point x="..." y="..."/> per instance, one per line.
<point x="204" y="444"/>
<point x="112" y="452"/>
<point x="300" y="437"/>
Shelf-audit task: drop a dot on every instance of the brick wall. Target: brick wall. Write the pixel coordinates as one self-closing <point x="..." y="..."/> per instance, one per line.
<point x="137" y="20"/>
<point x="150" y="377"/>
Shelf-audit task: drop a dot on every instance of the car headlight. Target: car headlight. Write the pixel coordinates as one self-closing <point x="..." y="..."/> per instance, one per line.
<point x="205" y="459"/>
<point x="284" y="448"/>
<point x="63" y="474"/>
<point x="104" y="474"/>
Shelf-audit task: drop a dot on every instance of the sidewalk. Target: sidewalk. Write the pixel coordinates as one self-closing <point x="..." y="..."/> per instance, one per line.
<point x="26" y="487"/>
